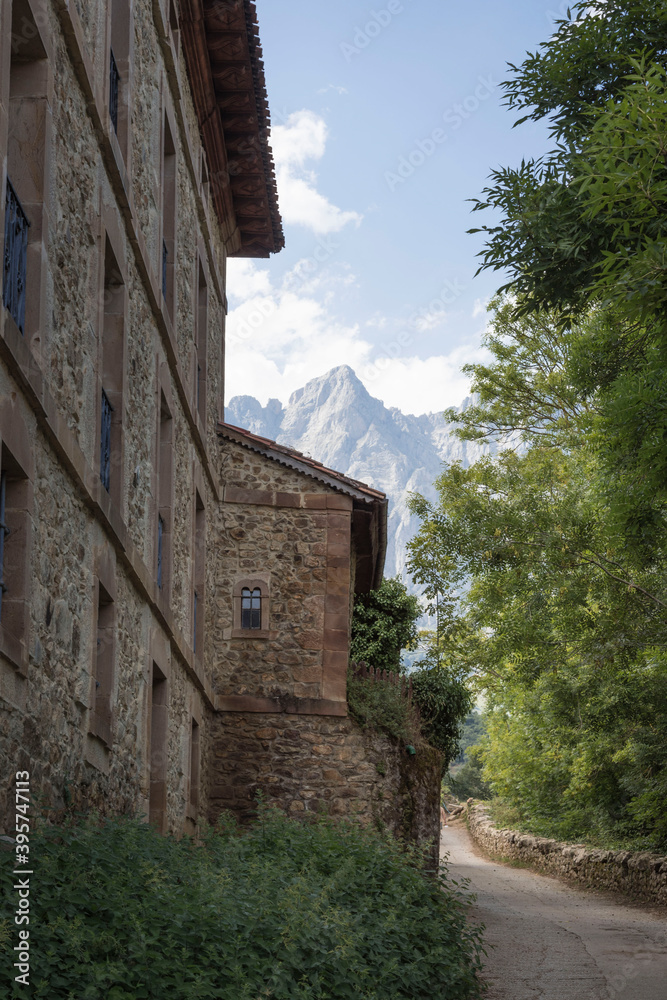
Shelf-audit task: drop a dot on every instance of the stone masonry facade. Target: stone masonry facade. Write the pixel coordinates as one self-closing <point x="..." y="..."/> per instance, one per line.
<point x="176" y="592"/>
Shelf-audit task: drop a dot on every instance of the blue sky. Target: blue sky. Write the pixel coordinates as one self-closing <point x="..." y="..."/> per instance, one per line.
<point x="386" y="119"/>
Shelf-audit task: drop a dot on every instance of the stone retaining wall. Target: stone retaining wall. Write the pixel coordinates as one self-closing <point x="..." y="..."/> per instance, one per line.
<point x="308" y="763"/>
<point x="638" y="874"/>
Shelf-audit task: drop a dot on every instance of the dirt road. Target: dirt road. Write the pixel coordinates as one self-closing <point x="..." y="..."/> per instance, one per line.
<point x="548" y="941"/>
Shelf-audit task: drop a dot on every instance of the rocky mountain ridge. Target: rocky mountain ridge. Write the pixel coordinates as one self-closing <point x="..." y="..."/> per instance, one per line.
<point x="336" y="420"/>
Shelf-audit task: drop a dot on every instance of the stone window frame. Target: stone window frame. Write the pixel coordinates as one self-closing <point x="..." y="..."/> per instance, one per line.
<point x="28" y="95"/>
<point x="198" y="567"/>
<point x="164" y="480"/>
<point x="111" y="359"/>
<point x="193" y="791"/>
<point x="17" y="460"/>
<point x="174" y="27"/>
<point x="200" y="358"/>
<point x="168" y="211"/>
<point x="119" y="41"/>
<point x="157" y="738"/>
<point x="261" y="583"/>
<point x="101" y="718"/>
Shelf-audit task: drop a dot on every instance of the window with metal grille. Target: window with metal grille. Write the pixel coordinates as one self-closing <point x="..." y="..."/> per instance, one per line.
<point x="114" y="87"/>
<point x="160" y="532"/>
<point x="15" y="258"/>
<point x="4" y="531"/>
<point x="165" y="255"/>
<point x="251" y="608"/>
<point x="105" y="442"/>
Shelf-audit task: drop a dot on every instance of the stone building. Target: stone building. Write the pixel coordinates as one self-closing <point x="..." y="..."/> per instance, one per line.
<point x="176" y="592"/>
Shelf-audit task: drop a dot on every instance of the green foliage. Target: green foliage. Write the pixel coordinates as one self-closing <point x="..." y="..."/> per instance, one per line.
<point x="313" y="911"/>
<point x="467" y="781"/>
<point x="464" y="778"/>
<point x="474" y="729"/>
<point x="444" y="701"/>
<point x="381" y="706"/>
<point x="551" y="562"/>
<point x="556" y="593"/>
<point x="586" y="221"/>
<point x="383" y="623"/>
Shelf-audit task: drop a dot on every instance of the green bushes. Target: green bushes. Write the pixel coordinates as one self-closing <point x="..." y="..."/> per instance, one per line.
<point x="380" y="705"/>
<point x="288" y="911"/>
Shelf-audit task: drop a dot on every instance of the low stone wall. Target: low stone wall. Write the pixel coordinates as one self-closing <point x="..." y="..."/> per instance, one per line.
<point x="638" y="874"/>
<point x="309" y="763"/>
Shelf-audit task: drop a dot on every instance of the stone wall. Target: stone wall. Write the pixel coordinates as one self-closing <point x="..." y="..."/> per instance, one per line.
<point x="307" y="764"/>
<point x="638" y="874"/>
<point x="94" y="194"/>
<point x="281" y="526"/>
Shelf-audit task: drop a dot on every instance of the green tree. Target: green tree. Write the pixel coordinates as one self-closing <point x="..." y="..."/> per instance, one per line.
<point x="587" y="220"/>
<point x="552" y="614"/>
<point x="384" y="622"/>
<point x="583" y="231"/>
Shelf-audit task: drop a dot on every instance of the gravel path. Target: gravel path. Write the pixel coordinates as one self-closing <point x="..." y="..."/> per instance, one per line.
<point x="546" y="940"/>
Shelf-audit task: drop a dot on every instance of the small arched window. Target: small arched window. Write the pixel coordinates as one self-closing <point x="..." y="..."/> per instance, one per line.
<point x="251" y="608"/>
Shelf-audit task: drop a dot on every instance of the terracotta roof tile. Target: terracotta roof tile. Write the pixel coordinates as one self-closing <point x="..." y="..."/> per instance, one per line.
<point x="310" y="465"/>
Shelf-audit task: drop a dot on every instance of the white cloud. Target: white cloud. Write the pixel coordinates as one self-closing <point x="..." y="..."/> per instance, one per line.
<point x="430" y="319"/>
<point x="422" y="385"/>
<point x="301" y="139"/>
<point x="334" y="87"/>
<point x="248" y="279"/>
<point x="277" y="341"/>
<point x="279" y="337"/>
<point x="480" y="308"/>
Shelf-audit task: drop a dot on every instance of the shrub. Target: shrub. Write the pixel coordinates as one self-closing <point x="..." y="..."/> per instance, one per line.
<point x="467" y="782"/>
<point x="289" y="911"/>
<point x="444" y="702"/>
<point x="379" y="704"/>
<point x="384" y="622"/>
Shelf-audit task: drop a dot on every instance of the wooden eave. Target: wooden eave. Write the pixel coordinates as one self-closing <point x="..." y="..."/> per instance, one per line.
<point x="223" y="56"/>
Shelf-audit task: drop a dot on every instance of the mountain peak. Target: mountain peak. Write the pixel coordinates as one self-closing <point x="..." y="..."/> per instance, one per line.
<point x="334" y="381"/>
<point x="336" y="420"/>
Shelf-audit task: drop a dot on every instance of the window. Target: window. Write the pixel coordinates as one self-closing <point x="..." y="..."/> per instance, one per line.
<point x="28" y="135"/>
<point x="199" y="584"/>
<point x="4" y="531"/>
<point x="251" y="608"/>
<point x="168" y="217"/>
<point x="160" y="536"/>
<point x="15" y="257"/>
<point x="119" y="72"/>
<point x="114" y="87"/>
<point x="16" y="494"/>
<point x="105" y="442"/>
<point x="111" y="363"/>
<point x="158" y="740"/>
<point x="101" y="715"/>
<point x="165" y="258"/>
<point x="194" y="769"/>
<point x="164" y="498"/>
<point x="201" y="336"/>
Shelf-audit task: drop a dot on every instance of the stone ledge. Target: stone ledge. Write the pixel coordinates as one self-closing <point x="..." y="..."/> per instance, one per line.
<point x="275" y="706"/>
<point x="639" y="874"/>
